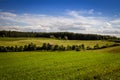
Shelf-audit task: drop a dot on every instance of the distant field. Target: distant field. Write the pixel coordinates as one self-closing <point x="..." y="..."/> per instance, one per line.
<point x="101" y="64"/>
<point x="40" y="41"/>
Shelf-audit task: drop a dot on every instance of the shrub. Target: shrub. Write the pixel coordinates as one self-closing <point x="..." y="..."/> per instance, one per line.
<point x="31" y="47"/>
<point x="25" y="48"/>
<point x="73" y="47"/>
<point x="83" y="46"/>
<point x="21" y="48"/>
<point x="96" y="46"/>
<point x="49" y="46"/>
<point x="56" y="47"/>
<point x="52" y="36"/>
<point x="77" y="49"/>
<point x="61" y="48"/>
<point x="44" y="46"/>
<point x="69" y="47"/>
<point x="12" y="48"/>
<point x="3" y="49"/>
<point x="89" y="48"/>
<point x="16" y="49"/>
<point x="65" y="38"/>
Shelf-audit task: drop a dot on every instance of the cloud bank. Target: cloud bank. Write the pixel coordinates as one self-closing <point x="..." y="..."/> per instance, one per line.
<point x="73" y="21"/>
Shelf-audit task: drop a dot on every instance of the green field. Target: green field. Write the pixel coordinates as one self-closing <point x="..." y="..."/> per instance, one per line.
<point x="40" y="41"/>
<point x="102" y="64"/>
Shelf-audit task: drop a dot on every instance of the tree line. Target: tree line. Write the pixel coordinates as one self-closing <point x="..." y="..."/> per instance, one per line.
<point x="58" y="35"/>
<point x="51" y="47"/>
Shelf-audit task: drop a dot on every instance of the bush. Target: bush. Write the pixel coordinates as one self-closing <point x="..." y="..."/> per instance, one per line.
<point x="61" y="48"/>
<point x="49" y="46"/>
<point x="12" y="48"/>
<point x="21" y="48"/>
<point x="3" y="49"/>
<point x="52" y="36"/>
<point x="83" y="46"/>
<point x="44" y="46"/>
<point x="89" y="48"/>
<point x="65" y="38"/>
<point x="56" y="47"/>
<point x="73" y="47"/>
<point x="16" y="49"/>
<point x="77" y="49"/>
<point x="31" y="47"/>
<point x="69" y="47"/>
<point x="96" y="46"/>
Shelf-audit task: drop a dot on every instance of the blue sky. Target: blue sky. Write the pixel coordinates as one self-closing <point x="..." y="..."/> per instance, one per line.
<point x="83" y="16"/>
<point x="108" y="7"/>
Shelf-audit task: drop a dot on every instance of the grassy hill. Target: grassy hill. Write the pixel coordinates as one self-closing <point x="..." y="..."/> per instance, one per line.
<point x="102" y="64"/>
<point x="65" y="65"/>
<point x="40" y="41"/>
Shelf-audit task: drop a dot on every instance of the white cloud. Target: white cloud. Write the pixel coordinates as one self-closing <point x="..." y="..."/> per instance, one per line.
<point x="74" y="21"/>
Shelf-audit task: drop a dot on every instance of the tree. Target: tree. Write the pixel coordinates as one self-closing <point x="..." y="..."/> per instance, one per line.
<point x="49" y="46"/>
<point x="12" y="48"/>
<point x="69" y="47"/>
<point x="88" y="48"/>
<point x="3" y="49"/>
<point x="77" y="49"/>
<point x="31" y="47"/>
<point x="61" y="48"/>
<point x="20" y="48"/>
<point x="25" y="48"/>
<point x="96" y="46"/>
<point x="44" y="46"/>
<point x="16" y="49"/>
<point x="65" y="37"/>
<point x="52" y="36"/>
<point x="73" y="47"/>
<point x="83" y="46"/>
<point x="56" y="47"/>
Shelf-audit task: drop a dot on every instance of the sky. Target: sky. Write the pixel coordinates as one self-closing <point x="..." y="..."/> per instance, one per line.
<point x="78" y="16"/>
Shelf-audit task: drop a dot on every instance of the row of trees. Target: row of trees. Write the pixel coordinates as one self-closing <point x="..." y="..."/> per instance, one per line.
<point x="101" y="47"/>
<point x="45" y="46"/>
<point x="51" y="47"/>
<point x="58" y="35"/>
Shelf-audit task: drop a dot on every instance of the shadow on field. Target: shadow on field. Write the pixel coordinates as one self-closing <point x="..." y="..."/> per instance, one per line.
<point x="114" y="50"/>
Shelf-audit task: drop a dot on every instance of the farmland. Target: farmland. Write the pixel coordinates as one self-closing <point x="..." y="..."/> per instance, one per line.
<point x="102" y="64"/>
<point x="40" y="41"/>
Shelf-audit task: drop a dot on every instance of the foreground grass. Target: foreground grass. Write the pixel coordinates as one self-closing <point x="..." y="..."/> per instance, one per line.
<point x="39" y="41"/>
<point x="67" y="65"/>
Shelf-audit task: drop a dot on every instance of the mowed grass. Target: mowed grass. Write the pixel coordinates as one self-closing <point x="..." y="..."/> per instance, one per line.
<point x="40" y="41"/>
<point x="66" y="65"/>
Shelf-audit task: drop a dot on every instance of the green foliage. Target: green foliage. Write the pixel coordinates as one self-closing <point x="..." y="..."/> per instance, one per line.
<point x="31" y="47"/>
<point x="65" y="38"/>
<point x="62" y="35"/>
<point x="20" y="49"/>
<point x="89" y="48"/>
<point x="78" y="49"/>
<point x="52" y="36"/>
<point x="69" y="47"/>
<point x="56" y="47"/>
<point x="51" y="47"/>
<point x="96" y="46"/>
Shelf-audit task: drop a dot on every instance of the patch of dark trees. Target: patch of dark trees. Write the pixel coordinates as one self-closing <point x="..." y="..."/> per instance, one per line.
<point x="58" y="35"/>
<point x="51" y="47"/>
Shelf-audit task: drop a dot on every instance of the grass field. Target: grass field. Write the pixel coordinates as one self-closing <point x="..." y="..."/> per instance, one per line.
<point x="68" y="65"/>
<point x="102" y="64"/>
<point x="40" y="41"/>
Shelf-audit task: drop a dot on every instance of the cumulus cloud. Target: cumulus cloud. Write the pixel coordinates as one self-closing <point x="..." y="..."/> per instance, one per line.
<point x="74" y="21"/>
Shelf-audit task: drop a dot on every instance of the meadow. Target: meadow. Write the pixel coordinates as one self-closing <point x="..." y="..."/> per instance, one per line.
<point x="39" y="41"/>
<point x="102" y="64"/>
